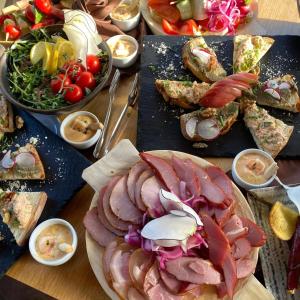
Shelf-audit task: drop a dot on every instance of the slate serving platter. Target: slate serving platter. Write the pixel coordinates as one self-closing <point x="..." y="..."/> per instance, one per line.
<point x="158" y="122"/>
<point x="63" y="167"/>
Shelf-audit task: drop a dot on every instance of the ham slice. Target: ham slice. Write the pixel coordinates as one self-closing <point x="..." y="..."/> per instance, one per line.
<point x="245" y="267"/>
<point x="230" y="274"/>
<point x="193" y="269"/>
<point x="164" y="171"/>
<point x="96" y="229"/>
<point x="234" y="229"/>
<point x="256" y="236"/>
<point x="152" y="278"/>
<point x="172" y="284"/>
<point x="133" y="177"/>
<point x="185" y="170"/>
<point x="138" y="187"/>
<point x="223" y="215"/>
<point x="119" y="269"/>
<point x="150" y="197"/>
<point x="102" y="216"/>
<point x="241" y="248"/>
<point x="121" y="205"/>
<point x="159" y="292"/>
<point x="210" y="190"/>
<point x="110" y="216"/>
<point x="133" y="294"/>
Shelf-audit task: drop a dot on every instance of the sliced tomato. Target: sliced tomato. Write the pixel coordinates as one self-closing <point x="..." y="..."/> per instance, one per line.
<point x="188" y="27"/>
<point x="169" y="28"/>
<point x="203" y="24"/>
<point x="164" y="10"/>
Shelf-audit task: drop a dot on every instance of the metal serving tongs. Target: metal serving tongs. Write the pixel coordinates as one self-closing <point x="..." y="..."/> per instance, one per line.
<point x="112" y="93"/>
<point x="131" y="101"/>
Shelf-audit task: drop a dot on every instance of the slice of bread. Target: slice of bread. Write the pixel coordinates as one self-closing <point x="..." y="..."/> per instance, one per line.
<point x="21" y="211"/>
<point x="16" y="173"/>
<point x="6" y="116"/>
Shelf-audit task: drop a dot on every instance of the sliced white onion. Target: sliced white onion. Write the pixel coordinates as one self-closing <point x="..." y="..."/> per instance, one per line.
<point x="208" y="129"/>
<point x="167" y="243"/>
<point x="273" y="93"/>
<point x="202" y="55"/>
<point x="284" y="86"/>
<point x="7" y="161"/>
<point x="190" y="127"/>
<point x="25" y="160"/>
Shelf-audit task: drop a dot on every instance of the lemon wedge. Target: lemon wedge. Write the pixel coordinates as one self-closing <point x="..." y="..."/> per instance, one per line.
<point x="47" y="59"/>
<point x="37" y="52"/>
<point x="66" y="52"/>
<point x="283" y="221"/>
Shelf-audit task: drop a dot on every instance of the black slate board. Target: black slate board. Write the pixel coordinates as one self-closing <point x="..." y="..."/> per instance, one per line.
<point x="63" y="167"/>
<point x="158" y="124"/>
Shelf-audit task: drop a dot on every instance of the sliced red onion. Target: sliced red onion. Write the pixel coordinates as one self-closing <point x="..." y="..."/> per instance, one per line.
<point x="7" y="162"/>
<point x="25" y="160"/>
<point x="165" y="255"/>
<point x="208" y="129"/>
<point x="133" y="237"/>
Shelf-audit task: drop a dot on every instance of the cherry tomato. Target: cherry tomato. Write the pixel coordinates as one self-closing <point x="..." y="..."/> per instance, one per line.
<point x="73" y="93"/>
<point x="93" y="63"/>
<point x="5" y="17"/>
<point x="59" y="81"/>
<point x="169" y="28"/>
<point x="86" y="80"/>
<point x="43" y="6"/>
<point x="74" y="69"/>
<point x="29" y="14"/>
<point x="11" y="29"/>
<point x="188" y="27"/>
<point x="164" y="10"/>
<point x="203" y="24"/>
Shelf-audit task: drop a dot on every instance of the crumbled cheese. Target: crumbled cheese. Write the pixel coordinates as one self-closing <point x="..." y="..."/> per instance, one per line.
<point x="33" y="140"/>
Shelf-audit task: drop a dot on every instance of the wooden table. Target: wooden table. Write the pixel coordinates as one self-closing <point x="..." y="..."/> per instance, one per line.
<point x="75" y="279"/>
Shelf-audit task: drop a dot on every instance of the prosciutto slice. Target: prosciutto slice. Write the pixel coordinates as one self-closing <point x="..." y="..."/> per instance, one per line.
<point x="121" y="205"/>
<point x="133" y="177"/>
<point x="96" y="229"/>
<point x="164" y="171"/>
<point x="150" y="197"/>
<point x="111" y="217"/>
<point x="138" y="187"/>
<point x="256" y="236"/>
<point x="185" y="170"/>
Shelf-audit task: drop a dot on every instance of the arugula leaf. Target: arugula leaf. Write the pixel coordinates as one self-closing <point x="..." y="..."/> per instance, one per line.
<point x="38" y="16"/>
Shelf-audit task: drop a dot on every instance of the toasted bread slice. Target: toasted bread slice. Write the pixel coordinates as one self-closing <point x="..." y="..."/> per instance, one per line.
<point x="281" y="92"/>
<point x="224" y="117"/>
<point x="270" y="134"/>
<point x="202" y="61"/>
<point x="185" y="94"/>
<point x="248" y="51"/>
<point x="6" y="116"/>
<point x="21" y="211"/>
<point x="35" y="172"/>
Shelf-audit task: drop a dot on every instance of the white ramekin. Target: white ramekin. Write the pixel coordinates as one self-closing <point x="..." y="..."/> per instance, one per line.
<point x="85" y="144"/>
<point x="128" y="61"/>
<point x="240" y="181"/>
<point x="39" y="229"/>
<point x="126" y="25"/>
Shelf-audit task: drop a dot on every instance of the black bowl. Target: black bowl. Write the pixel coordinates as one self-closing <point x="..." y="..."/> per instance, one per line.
<point x="4" y="82"/>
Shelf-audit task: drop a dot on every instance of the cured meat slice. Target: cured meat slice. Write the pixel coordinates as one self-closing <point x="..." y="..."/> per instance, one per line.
<point x="185" y="170"/>
<point x="133" y="294"/>
<point x="256" y="236"/>
<point x="244" y="267"/>
<point x="159" y="292"/>
<point x="236" y="234"/>
<point x="139" y="264"/>
<point x="221" y="290"/>
<point x="223" y="215"/>
<point x="193" y="269"/>
<point x="121" y="205"/>
<point x="107" y="255"/>
<point x="96" y="229"/>
<point x="164" y="170"/>
<point x="210" y="190"/>
<point x="234" y="229"/>
<point x="150" y="197"/>
<point x="230" y="274"/>
<point x="241" y="248"/>
<point x="119" y="269"/>
<point x="133" y="177"/>
<point x="102" y="215"/>
<point x="152" y="278"/>
<point x="110" y="216"/>
<point x="138" y="187"/>
<point x="172" y="284"/>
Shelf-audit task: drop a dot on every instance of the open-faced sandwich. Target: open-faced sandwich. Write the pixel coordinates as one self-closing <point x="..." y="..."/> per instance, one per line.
<point x="202" y="60"/>
<point x="270" y="134"/>
<point x="185" y="94"/>
<point x="281" y="92"/>
<point x="208" y="123"/>
<point x="25" y="163"/>
<point x="21" y="211"/>
<point x="6" y="116"/>
<point x="248" y="51"/>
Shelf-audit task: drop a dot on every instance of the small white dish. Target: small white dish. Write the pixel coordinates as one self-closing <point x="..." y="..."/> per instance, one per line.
<point x="126" y="25"/>
<point x="124" y="62"/>
<point x="85" y="144"/>
<point x="39" y="229"/>
<point x="242" y="183"/>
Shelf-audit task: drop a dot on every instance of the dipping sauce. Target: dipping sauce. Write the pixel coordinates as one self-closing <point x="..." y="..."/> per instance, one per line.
<point x="125" y="11"/>
<point x="122" y="48"/>
<point x="77" y="129"/>
<point x="252" y="167"/>
<point x="54" y="242"/>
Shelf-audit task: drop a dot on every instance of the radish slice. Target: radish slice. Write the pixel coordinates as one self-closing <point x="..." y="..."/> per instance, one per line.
<point x="25" y="160"/>
<point x="273" y="93"/>
<point x="202" y="55"/>
<point x="6" y="161"/>
<point x="284" y="85"/>
<point x="208" y="129"/>
<point x="190" y="127"/>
